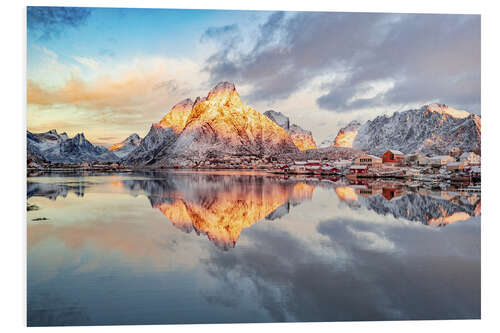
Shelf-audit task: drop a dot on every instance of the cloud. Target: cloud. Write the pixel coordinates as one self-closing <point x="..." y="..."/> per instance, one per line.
<point x="218" y="33"/>
<point x="88" y="62"/>
<point x="424" y="57"/>
<point x="120" y="97"/>
<point x="352" y="274"/>
<point x="50" y="22"/>
<point x="130" y="87"/>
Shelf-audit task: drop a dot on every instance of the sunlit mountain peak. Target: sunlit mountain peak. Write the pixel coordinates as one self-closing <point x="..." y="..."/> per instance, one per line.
<point x="447" y="110"/>
<point x="225" y="94"/>
<point x="176" y="118"/>
<point x="346" y="135"/>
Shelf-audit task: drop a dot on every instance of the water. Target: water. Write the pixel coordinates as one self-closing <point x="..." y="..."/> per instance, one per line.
<point x="161" y="248"/>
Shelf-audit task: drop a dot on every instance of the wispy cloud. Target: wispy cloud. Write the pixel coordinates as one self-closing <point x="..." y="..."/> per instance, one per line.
<point x="88" y="62"/>
<point x="123" y="98"/>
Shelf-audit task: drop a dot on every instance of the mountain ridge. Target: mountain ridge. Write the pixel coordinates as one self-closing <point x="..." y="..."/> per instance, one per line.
<point x="216" y="125"/>
<point x="302" y="138"/>
<point x="60" y="148"/>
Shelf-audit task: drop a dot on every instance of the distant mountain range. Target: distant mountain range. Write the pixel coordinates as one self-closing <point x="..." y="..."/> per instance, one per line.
<point x="432" y="129"/>
<point x="54" y="147"/>
<point x="220" y="125"/>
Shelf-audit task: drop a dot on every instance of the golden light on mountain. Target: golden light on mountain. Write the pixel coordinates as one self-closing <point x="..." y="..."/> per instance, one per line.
<point x="228" y="212"/>
<point x="447" y="111"/>
<point x="222" y="115"/>
<point x="448" y="219"/>
<point x="345" y="139"/>
<point x="116" y="146"/>
<point x="176" y="118"/>
<point x="303" y="142"/>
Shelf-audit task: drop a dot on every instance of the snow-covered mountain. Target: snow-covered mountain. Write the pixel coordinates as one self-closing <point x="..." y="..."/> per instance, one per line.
<point x="216" y="125"/>
<point x="123" y="148"/>
<point x="55" y="147"/>
<point x="433" y="129"/>
<point x="302" y="138"/>
<point x="344" y="137"/>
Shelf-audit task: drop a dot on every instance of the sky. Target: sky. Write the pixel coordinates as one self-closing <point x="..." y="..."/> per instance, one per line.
<point x="111" y="72"/>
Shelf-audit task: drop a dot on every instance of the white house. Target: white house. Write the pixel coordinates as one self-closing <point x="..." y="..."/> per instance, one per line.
<point x="470" y="158"/>
<point x="441" y="160"/>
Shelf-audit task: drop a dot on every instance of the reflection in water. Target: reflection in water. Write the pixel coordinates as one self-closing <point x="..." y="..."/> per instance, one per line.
<point x="221" y="206"/>
<point x="434" y="208"/>
<point x="112" y="252"/>
<point x="222" y="213"/>
<point x="218" y="206"/>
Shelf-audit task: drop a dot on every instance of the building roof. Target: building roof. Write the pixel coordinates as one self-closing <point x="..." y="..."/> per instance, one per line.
<point x="454" y="163"/>
<point x="440" y="157"/>
<point x="467" y="154"/>
<point x="359" y="167"/>
<point x="395" y="152"/>
<point x="371" y="156"/>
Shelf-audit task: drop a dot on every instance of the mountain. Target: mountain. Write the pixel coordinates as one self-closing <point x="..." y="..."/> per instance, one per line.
<point x="344" y="137"/>
<point x="302" y="138"/>
<point x="123" y="148"/>
<point x="434" y="129"/>
<point x="214" y="126"/>
<point x="60" y="148"/>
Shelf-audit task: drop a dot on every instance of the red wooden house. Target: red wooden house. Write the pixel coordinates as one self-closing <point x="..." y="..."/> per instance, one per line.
<point x="393" y="156"/>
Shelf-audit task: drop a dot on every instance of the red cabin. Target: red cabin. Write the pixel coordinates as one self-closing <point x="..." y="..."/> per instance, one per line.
<point x="393" y="156"/>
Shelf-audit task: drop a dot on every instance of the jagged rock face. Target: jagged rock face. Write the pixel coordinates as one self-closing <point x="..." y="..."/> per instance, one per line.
<point x="55" y="147"/>
<point x="157" y="139"/>
<point x="302" y="138"/>
<point x="124" y="148"/>
<point x="434" y="129"/>
<point x="176" y="118"/>
<point x="219" y="125"/>
<point x="345" y="137"/>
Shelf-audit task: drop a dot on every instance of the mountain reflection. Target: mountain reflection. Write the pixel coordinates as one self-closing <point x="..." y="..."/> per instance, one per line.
<point x="434" y="208"/>
<point x="221" y="206"/>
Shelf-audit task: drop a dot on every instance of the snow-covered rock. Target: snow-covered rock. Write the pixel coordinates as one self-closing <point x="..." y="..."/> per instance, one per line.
<point x="124" y="148"/>
<point x="344" y="137"/>
<point x="217" y="125"/>
<point x="432" y="129"/>
<point x="302" y="138"/>
<point x="55" y="147"/>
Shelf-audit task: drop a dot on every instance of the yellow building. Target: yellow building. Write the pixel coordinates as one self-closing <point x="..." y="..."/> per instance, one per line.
<point x="369" y="160"/>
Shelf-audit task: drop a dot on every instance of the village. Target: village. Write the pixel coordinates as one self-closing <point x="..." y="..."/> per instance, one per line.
<point x="465" y="167"/>
<point x="455" y="167"/>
